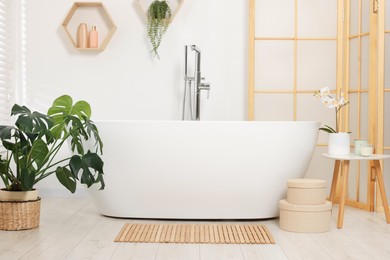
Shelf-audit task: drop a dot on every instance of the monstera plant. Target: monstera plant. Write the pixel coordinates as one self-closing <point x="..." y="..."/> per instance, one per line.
<point x="159" y="16"/>
<point x="32" y="146"/>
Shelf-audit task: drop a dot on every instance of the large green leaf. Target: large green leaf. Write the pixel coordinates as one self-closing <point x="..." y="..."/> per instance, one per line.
<point x="27" y="179"/>
<point x="84" y="163"/>
<point x="6" y="132"/>
<point x="39" y="152"/>
<point x="77" y="134"/>
<point x="3" y="166"/>
<point x="58" y="112"/>
<point x="33" y="123"/>
<point x="63" y="112"/>
<point x="10" y="146"/>
<point x="92" y="130"/>
<point x="66" y="178"/>
<point x="82" y="109"/>
<point x="61" y="107"/>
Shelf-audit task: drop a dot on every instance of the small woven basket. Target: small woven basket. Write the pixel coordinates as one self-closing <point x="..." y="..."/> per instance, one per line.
<point x="19" y="215"/>
<point x="306" y="191"/>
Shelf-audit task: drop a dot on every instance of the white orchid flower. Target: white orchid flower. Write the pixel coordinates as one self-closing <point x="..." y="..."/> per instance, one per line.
<point x="331" y="102"/>
<point x="322" y="93"/>
<point x="342" y="101"/>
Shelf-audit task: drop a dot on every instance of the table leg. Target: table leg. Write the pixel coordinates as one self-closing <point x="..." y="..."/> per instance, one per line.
<point x="378" y="172"/>
<point x="371" y="186"/>
<point x="343" y="197"/>
<point x="336" y="171"/>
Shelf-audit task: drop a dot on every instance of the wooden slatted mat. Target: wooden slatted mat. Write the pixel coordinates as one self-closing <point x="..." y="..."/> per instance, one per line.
<point x="195" y="234"/>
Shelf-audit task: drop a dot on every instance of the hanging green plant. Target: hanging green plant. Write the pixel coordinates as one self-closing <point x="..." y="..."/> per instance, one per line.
<point x="159" y="16"/>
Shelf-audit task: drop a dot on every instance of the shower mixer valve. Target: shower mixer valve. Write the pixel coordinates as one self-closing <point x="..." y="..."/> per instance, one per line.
<point x="205" y="86"/>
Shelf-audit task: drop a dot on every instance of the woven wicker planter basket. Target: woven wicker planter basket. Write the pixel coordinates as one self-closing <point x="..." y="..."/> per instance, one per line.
<point x="19" y="215"/>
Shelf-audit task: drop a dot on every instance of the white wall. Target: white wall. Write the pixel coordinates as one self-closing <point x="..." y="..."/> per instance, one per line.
<point x="125" y="81"/>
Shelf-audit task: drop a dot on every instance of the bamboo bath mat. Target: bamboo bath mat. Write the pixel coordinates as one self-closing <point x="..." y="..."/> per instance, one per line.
<point x="195" y="234"/>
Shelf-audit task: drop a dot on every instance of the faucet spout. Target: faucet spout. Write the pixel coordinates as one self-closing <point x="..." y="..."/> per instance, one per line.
<point x="194" y="48"/>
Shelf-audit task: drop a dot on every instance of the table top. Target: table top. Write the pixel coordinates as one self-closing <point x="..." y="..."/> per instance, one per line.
<point x="351" y="157"/>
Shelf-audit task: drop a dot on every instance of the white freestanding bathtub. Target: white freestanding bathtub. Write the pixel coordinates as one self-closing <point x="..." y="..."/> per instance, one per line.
<point x="201" y="170"/>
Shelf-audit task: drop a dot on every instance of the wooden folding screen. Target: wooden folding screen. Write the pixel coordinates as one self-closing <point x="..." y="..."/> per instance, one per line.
<point x="278" y="86"/>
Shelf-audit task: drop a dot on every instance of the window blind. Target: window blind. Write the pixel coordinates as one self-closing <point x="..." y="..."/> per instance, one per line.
<point x="7" y="19"/>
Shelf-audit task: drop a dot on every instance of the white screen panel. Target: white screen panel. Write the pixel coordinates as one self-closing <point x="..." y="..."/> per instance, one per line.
<point x="274" y="107"/>
<point x="321" y="167"/>
<point x="387" y="16"/>
<point x="353" y="63"/>
<point x="363" y="181"/>
<point x="354" y="17"/>
<point x="352" y="187"/>
<point x="387" y="120"/>
<point x="274" y="65"/>
<point x="317" y="18"/>
<point x="316" y="64"/>
<point x="386" y="174"/>
<point x="310" y="108"/>
<point x="387" y="59"/>
<point x="365" y="55"/>
<point x="364" y="115"/>
<point x="365" y="16"/>
<point x="353" y="115"/>
<point x="274" y="18"/>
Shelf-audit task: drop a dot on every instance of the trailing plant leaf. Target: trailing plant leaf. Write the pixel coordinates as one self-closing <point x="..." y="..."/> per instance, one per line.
<point x="159" y="15"/>
<point x="66" y="178"/>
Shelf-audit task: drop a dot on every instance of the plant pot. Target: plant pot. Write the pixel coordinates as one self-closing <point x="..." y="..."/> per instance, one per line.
<point x="19" y="214"/>
<point x="6" y="195"/>
<point x="339" y="144"/>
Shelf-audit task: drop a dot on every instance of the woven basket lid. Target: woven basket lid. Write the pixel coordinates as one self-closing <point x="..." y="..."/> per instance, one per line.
<point x="283" y="204"/>
<point x="306" y="183"/>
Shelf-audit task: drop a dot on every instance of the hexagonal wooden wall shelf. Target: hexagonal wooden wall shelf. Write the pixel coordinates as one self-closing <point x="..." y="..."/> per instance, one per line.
<point x="144" y="7"/>
<point x="93" y="14"/>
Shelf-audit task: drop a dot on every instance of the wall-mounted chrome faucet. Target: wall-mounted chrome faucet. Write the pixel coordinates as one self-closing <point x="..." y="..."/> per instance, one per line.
<point x="194" y="93"/>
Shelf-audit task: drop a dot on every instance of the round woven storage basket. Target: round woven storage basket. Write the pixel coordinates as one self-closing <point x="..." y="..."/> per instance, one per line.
<point x="305" y="218"/>
<point x="19" y="215"/>
<point x="306" y="191"/>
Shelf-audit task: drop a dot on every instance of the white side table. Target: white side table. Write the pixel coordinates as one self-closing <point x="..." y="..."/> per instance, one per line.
<point x="344" y="179"/>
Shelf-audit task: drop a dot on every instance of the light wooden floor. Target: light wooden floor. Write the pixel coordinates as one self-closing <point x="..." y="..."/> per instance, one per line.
<point x="71" y="228"/>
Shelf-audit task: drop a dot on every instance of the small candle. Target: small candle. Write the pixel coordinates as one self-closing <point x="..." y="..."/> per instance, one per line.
<point x="358" y="144"/>
<point x="366" y="150"/>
